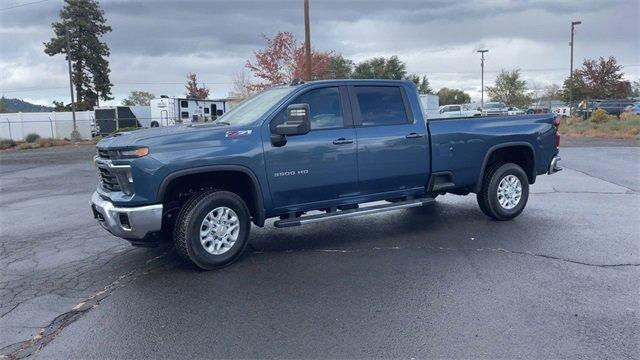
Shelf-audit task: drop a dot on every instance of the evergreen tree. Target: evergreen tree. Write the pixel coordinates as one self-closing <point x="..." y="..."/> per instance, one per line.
<point x="381" y="68"/>
<point x="422" y="83"/>
<point x="85" y="22"/>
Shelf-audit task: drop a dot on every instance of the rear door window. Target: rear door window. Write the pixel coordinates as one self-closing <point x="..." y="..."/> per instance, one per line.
<point x="381" y="105"/>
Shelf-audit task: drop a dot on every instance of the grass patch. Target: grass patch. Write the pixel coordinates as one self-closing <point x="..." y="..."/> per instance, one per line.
<point x="602" y="126"/>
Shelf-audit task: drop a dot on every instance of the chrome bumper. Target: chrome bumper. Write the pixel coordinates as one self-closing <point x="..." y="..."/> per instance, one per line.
<point x="553" y="166"/>
<point x="131" y="223"/>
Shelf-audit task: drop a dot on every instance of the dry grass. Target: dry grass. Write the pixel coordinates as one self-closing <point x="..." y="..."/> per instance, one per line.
<point x="602" y="126"/>
<point x="39" y="143"/>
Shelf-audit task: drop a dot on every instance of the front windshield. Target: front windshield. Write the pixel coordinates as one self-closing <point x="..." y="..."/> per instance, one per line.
<point x="255" y="106"/>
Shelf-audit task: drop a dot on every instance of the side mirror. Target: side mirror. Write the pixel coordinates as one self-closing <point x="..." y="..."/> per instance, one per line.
<point x="297" y="121"/>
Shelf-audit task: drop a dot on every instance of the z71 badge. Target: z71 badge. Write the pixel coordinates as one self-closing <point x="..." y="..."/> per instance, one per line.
<point x="237" y="133"/>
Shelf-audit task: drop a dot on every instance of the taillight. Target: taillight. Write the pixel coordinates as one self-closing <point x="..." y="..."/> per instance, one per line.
<point x="556" y="123"/>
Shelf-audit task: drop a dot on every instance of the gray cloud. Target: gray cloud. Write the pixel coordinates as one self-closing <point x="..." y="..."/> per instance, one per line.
<point x="155" y="43"/>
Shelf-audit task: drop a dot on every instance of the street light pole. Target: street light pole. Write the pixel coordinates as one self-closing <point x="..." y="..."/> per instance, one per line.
<point x="573" y="25"/>
<point x="307" y="41"/>
<point x="482" y="77"/>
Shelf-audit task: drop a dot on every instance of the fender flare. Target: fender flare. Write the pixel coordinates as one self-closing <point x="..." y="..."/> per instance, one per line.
<point x="260" y="215"/>
<point x="492" y="149"/>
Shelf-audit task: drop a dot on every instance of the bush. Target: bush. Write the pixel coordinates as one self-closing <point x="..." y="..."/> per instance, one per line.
<point x="627" y="116"/>
<point x="6" y="144"/>
<point x="31" y="138"/>
<point x="25" y="146"/>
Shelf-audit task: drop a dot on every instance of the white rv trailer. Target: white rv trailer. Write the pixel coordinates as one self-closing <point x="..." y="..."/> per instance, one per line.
<point x="166" y="111"/>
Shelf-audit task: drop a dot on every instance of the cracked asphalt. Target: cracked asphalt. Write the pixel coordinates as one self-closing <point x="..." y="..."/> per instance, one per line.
<point x="561" y="280"/>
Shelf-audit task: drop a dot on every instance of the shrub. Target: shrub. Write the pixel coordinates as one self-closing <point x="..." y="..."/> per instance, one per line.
<point x="6" y="144"/>
<point x="599" y="116"/>
<point x="25" y="146"/>
<point x="31" y="138"/>
<point x="627" y="116"/>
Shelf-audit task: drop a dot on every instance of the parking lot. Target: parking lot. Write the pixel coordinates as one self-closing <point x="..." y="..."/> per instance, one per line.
<point x="561" y="280"/>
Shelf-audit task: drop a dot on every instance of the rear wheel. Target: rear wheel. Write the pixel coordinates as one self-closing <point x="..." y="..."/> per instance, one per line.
<point x="212" y="229"/>
<point x="505" y="191"/>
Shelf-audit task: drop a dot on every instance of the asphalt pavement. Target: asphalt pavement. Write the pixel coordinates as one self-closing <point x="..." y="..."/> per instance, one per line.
<point x="561" y="280"/>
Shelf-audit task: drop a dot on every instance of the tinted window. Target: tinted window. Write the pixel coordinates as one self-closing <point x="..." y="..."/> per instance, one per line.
<point x="185" y="115"/>
<point x="324" y="105"/>
<point x="184" y="103"/>
<point x="455" y="108"/>
<point x="381" y="105"/>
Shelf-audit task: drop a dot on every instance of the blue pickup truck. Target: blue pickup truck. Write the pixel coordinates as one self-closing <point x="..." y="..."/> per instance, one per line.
<point x="311" y="152"/>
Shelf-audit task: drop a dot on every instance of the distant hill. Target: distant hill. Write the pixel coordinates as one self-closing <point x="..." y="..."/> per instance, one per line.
<point x="17" y="105"/>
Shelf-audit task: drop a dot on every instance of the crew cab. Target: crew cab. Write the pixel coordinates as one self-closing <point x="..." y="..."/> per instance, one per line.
<point x="306" y="153"/>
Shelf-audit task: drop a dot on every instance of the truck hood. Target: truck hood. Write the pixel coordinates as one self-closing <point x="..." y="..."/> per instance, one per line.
<point x="162" y="135"/>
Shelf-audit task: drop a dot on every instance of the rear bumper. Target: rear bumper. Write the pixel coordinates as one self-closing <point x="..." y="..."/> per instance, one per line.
<point x="131" y="223"/>
<point x="553" y="166"/>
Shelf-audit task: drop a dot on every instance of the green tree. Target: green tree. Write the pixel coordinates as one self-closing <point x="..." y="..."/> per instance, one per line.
<point x="2" y="106"/>
<point x="381" y="68"/>
<point x="141" y="98"/>
<point x="339" y="68"/>
<point x="60" y="106"/>
<point x="510" y="89"/>
<point x="452" y="96"/>
<point x="635" y="88"/>
<point x="86" y="25"/>
<point x="598" y="79"/>
<point x="422" y="83"/>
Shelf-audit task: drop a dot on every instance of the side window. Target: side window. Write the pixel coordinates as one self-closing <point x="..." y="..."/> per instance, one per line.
<point x="381" y="105"/>
<point x="184" y="115"/>
<point x="324" y="105"/>
<point x="184" y="103"/>
<point x="455" y="108"/>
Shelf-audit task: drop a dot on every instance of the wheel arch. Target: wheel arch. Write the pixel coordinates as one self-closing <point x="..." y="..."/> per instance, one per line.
<point x="518" y="152"/>
<point x="235" y="178"/>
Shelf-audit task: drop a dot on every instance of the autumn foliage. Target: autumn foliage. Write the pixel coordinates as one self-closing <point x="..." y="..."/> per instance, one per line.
<point x="193" y="89"/>
<point x="283" y="60"/>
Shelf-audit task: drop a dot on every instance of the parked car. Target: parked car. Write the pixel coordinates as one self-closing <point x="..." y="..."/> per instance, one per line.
<point x="514" y="111"/>
<point x="538" y="110"/>
<point x="457" y="110"/>
<point x="562" y="111"/>
<point x="494" y="108"/>
<point x="325" y="146"/>
<point x="634" y="108"/>
<point x="614" y="106"/>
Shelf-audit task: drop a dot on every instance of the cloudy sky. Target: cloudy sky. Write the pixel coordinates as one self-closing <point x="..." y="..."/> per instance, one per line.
<point x="154" y="44"/>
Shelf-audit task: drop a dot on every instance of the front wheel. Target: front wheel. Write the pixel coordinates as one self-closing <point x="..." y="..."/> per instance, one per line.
<point x="505" y="191"/>
<point x="212" y="229"/>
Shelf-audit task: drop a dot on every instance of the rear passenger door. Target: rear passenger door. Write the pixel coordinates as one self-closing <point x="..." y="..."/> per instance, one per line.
<point x="392" y="146"/>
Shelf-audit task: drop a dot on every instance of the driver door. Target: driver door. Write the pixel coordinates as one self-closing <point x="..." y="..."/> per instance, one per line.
<point x="318" y="168"/>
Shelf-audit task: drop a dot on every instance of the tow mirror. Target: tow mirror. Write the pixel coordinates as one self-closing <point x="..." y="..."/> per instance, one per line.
<point x="297" y="121"/>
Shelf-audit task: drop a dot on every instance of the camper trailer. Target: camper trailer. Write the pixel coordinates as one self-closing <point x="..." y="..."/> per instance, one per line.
<point x="109" y="119"/>
<point x="166" y="111"/>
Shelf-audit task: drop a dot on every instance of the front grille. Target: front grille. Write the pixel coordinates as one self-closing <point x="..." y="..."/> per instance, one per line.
<point x="109" y="180"/>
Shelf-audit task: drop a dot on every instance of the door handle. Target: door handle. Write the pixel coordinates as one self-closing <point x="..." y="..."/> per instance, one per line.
<point x="342" y="141"/>
<point x="413" y="136"/>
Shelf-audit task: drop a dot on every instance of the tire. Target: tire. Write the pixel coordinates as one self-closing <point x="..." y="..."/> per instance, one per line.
<point x="508" y="205"/>
<point x="154" y="124"/>
<point x="200" y="213"/>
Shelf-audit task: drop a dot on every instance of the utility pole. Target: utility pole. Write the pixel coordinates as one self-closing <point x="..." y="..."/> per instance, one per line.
<point x="482" y="77"/>
<point x="573" y="25"/>
<point x="74" y="134"/>
<point x="307" y="41"/>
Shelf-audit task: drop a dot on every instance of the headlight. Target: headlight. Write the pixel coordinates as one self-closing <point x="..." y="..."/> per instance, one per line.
<point x="133" y="153"/>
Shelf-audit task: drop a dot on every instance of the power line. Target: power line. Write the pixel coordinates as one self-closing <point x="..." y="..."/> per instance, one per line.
<point x="21" y="5"/>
